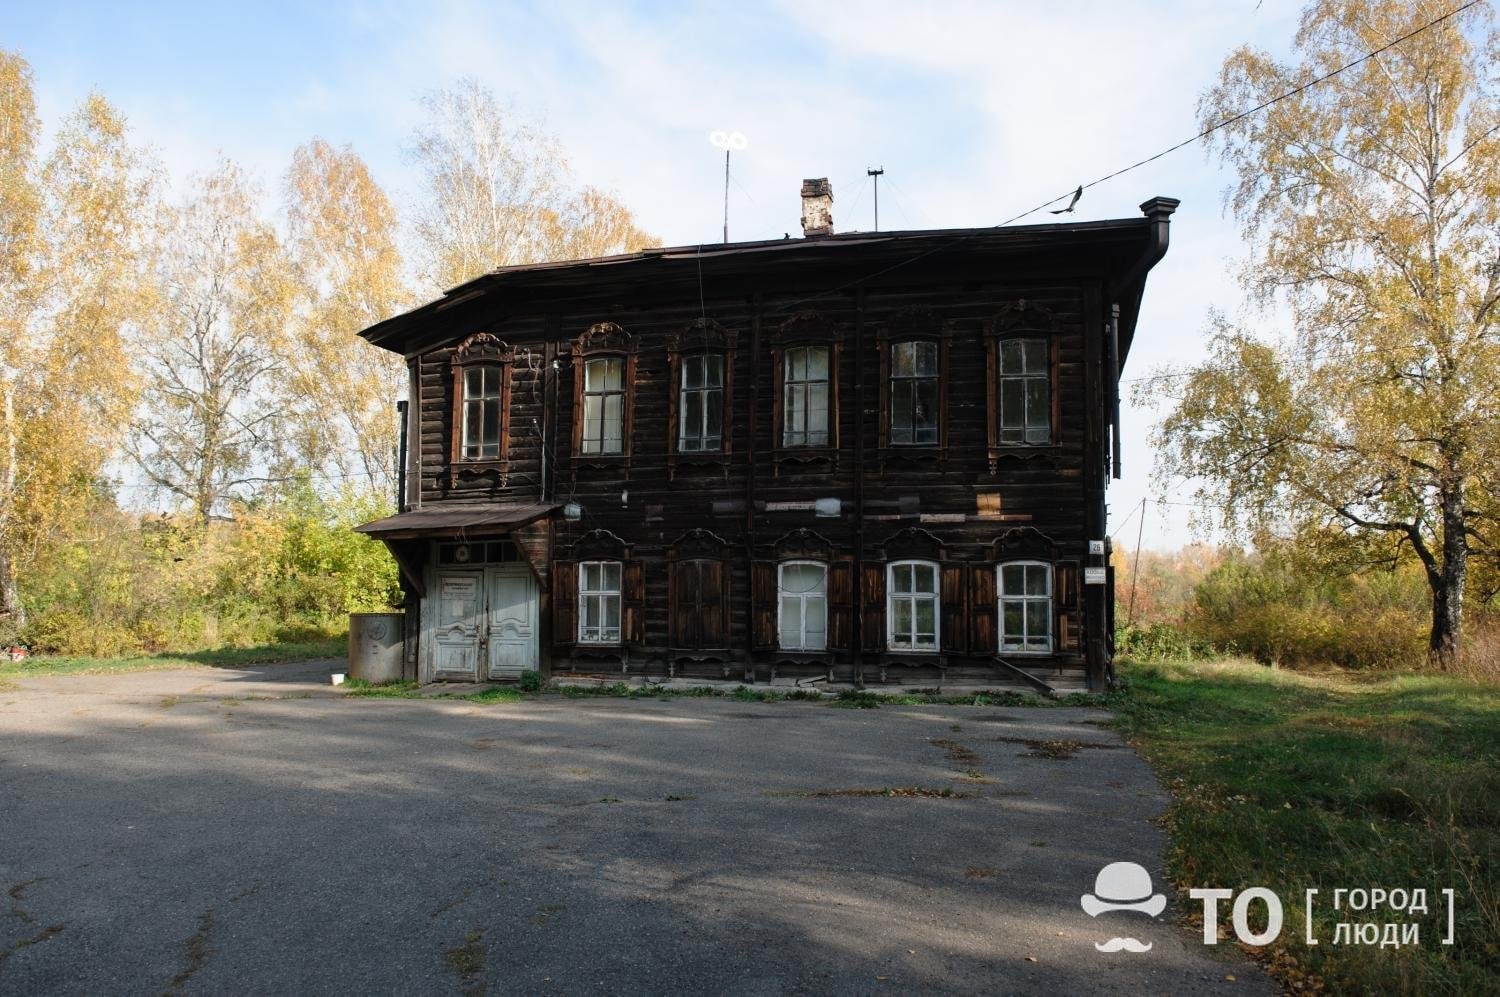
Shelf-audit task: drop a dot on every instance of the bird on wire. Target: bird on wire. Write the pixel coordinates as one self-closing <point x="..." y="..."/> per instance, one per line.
<point x="1071" y="204"/>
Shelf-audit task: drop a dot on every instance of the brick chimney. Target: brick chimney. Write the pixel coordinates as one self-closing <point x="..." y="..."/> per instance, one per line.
<point x="817" y="207"/>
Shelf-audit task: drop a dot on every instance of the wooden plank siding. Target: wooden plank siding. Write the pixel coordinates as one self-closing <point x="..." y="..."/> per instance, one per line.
<point x="649" y="503"/>
<point x="716" y="525"/>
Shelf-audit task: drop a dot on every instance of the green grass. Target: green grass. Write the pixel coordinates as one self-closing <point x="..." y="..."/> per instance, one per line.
<point x="227" y="657"/>
<point x="411" y="690"/>
<point x="1333" y="780"/>
<point x="381" y="690"/>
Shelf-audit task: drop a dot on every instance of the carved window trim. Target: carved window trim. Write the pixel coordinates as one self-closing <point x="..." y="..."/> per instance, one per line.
<point x="604" y="340"/>
<point x="697" y="553"/>
<point x="802" y="330"/>
<point x="919" y="325"/>
<point x="1021" y="319"/>
<point x="482" y="349"/>
<point x="701" y="337"/>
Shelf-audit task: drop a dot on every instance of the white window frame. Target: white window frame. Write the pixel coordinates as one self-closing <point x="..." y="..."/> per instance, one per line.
<point x="1002" y="597"/>
<point x="912" y="598"/>
<point x="708" y="394"/>
<point x="602" y="594"/>
<point x="781" y="596"/>
<point x="603" y="442"/>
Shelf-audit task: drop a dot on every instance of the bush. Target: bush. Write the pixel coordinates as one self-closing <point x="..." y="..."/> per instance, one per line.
<point x="531" y="680"/>
<point x="1263" y="607"/>
<point x="290" y="571"/>
<point x="1159" y="642"/>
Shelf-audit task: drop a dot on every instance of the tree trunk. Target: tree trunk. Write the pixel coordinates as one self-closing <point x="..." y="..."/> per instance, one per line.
<point x="1448" y="583"/>
<point x="10" y="596"/>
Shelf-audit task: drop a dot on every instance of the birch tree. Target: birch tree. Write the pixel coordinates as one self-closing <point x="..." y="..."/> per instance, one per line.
<point x="499" y="192"/>
<point x="75" y="231"/>
<point x="1372" y="201"/>
<point x="340" y="390"/>
<point x="208" y="431"/>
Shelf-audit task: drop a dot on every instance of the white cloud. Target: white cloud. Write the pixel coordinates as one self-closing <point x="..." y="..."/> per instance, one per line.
<point x="977" y="110"/>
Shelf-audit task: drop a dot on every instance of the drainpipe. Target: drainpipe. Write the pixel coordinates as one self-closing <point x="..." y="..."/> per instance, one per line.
<point x="401" y="408"/>
<point x="1112" y="345"/>
<point x="1159" y="211"/>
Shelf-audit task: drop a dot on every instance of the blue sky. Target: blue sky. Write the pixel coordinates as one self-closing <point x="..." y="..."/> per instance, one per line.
<point x="977" y="112"/>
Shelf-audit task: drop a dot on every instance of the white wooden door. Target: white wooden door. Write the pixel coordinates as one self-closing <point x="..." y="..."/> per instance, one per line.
<point x="457" y="632"/>
<point x="512" y="620"/>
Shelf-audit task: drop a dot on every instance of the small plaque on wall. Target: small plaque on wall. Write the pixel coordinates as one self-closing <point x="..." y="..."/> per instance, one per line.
<point x="1094" y="576"/>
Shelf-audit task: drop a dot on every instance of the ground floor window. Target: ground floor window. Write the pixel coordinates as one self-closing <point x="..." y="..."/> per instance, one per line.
<point x="912" y="606"/>
<point x="1026" y="606"/>
<point x="803" y="621"/>
<point x="599" y="602"/>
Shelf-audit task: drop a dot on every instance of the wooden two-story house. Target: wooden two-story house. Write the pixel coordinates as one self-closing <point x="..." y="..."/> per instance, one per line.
<point x="861" y="458"/>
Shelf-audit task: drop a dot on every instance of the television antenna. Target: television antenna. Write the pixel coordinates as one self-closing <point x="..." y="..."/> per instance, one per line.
<point x="877" y="173"/>
<point x="729" y="142"/>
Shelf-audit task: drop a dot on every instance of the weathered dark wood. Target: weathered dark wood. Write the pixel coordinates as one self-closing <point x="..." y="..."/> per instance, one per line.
<point x="966" y="292"/>
<point x="564" y="607"/>
<point x="954" y="611"/>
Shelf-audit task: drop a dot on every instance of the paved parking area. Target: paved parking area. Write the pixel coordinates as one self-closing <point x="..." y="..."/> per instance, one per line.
<point x="253" y="831"/>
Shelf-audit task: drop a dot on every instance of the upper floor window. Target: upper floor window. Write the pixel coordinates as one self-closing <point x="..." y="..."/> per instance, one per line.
<point x="481" y="412"/>
<point x="599" y="602"/>
<point x="805" y="394"/>
<point x="914" y="393"/>
<point x="603" y="406"/>
<point x="701" y="404"/>
<point x="1025" y="606"/>
<point x="479" y="437"/>
<point x="1024" y="385"/>
<point x="912" y="606"/>
<point x="604" y="359"/>
<point x="802" y="621"/>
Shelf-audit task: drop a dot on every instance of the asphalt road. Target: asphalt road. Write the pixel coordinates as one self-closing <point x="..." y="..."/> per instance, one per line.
<point x="252" y="831"/>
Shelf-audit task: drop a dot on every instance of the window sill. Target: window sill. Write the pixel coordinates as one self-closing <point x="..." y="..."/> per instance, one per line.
<point x="473" y="469"/>
<point x="698" y="462"/>
<point x="809" y="457"/>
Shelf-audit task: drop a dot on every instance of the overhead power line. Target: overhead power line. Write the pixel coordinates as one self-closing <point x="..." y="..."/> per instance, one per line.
<point x="1247" y="113"/>
<point x="791" y="306"/>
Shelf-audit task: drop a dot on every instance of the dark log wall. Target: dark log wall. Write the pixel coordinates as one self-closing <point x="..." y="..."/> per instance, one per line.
<point x="962" y="494"/>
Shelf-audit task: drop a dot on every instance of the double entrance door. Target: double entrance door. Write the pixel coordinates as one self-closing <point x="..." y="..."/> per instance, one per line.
<point x="485" y="626"/>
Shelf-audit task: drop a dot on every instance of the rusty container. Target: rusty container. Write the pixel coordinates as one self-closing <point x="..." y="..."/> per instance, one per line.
<point x="375" y="646"/>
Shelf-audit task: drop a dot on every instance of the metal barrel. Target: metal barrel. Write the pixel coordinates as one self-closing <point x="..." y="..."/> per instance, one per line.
<point x="375" y="646"/>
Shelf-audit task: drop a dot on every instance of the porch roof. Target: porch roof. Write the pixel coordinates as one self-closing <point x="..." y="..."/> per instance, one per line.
<point x="448" y="520"/>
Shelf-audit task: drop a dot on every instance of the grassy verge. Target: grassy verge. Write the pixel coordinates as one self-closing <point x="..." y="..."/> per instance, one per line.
<point x="864" y="699"/>
<point x="228" y="657"/>
<point x="411" y="690"/>
<point x="1333" y="780"/>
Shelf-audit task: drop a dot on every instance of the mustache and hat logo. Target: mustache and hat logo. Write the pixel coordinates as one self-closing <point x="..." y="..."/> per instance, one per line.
<point x="1123" y="886"/>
